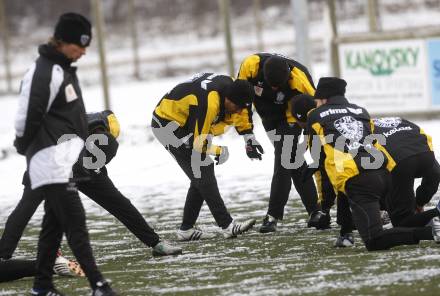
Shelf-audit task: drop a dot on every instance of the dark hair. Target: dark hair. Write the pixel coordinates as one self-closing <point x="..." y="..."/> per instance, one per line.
<point x="276" y="71"/>
<point x="301" y="105"/>
<point x="241" y="93"/>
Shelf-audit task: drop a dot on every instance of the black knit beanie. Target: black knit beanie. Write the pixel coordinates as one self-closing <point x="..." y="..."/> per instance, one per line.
<point x="241" y="93"/>
<point x="329" y="87"/>
<point x="73" y="28"/>
<point x="301" y="105"/>
<point x="276" y="71"/>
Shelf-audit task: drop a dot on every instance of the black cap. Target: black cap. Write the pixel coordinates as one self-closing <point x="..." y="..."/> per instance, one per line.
<point x="276" y="71"/>
<point x="241" y="93"/>
<point x="329" y="87"/>
<point x="301" y="105"/>
<point x="73" y="28"/>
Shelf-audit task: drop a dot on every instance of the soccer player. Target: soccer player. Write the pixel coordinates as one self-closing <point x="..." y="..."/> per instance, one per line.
<point x="51" y="129"/>
<point x="184" y="121"/>
<point x="341" y="133"/>
<point x="94" y="183"/>
<point x="410" y="156"/>
<point x="276" y="79"/>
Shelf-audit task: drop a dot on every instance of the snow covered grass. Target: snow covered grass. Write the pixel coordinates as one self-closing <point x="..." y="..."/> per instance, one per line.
<point x="295" y="260"/>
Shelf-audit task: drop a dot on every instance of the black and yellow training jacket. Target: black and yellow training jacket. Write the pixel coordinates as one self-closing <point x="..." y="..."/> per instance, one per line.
<point x="275" y="105"/>
<point x="197" y="106"/>
<point x="342" y="129"/>
<point x="403" y="139"/>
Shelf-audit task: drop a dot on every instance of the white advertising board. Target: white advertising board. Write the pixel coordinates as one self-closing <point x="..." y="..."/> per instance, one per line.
<point x="387" y="76"/>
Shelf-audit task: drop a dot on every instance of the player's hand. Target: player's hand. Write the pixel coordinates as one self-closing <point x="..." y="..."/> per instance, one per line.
<point x="253" y="148"/>
<point x="19" y="145"/>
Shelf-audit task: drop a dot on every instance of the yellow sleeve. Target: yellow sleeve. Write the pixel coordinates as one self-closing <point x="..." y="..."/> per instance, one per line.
<point x="289" y="116"/>
<point x="219" y="128"/>
<point x="242" y="122"/>
<point x="249" y="67"/>
<point x="299" y="81"/>
<point x="428" y="139"/>
<point x="203" y="126"/>
<point x="372" y="126"/>
<point x="114" y="126"/>
<point x="391" y="163"/>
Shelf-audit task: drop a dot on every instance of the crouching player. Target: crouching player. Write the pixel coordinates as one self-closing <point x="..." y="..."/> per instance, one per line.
<point x="352" y="163"/>
<point x="410" y="156"/>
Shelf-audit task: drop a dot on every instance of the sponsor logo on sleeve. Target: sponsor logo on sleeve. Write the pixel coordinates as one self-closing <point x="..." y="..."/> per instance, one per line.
<point x="387" y="122"/>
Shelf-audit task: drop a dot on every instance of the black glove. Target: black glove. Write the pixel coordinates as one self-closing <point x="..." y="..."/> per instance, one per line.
<point x="223" y="156"/>
<point x="19" y="145"/>
<point x="253" y="147"/>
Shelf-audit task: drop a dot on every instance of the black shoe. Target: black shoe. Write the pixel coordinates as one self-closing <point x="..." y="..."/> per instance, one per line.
<point x="103" y="289"/>
<point x="269" y="224"/>
<point x="48" y="292"/>
<point x="319" y="220"/>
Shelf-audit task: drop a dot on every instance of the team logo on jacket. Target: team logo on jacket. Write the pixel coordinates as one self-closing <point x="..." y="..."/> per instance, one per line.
<point x="387" y="121"/>
<point x="70" y="93"/>
<point x="350" y="128"/>
<point x="280" y="98"/>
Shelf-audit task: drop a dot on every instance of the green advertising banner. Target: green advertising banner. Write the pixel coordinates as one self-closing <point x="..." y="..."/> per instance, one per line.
<point x="388" y="76"/>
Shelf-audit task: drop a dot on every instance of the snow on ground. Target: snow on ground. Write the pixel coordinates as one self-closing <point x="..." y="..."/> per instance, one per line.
<point x="289" y="262"/>
<point x="142" y="161"/>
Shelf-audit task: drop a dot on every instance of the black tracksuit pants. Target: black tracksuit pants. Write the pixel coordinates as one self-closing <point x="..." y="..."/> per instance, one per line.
<point x="402" y="201"/>
<point x="364" y="192"/>
<point x="202" y="187"/>
<point x="282" y="177"/>
<point x="99" y="189"/>
<point x="64" y="213"/>
<point x="11" y="270"/>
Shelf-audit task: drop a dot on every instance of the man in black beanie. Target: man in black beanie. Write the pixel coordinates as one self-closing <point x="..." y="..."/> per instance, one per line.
<point x="276" y="79"/>
<point x="51" y="129"/>
<point x="184" y="121"/>
<point x="354" y="164"/>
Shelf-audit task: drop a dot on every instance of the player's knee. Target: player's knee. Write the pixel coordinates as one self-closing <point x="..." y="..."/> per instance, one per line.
<point x="375" y="244"/>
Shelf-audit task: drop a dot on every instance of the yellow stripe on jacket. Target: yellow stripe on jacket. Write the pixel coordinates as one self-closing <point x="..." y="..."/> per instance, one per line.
<point x="339" y="166"/>
<point x="179" y="112"/>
